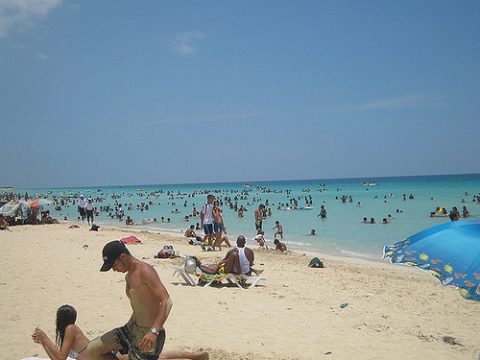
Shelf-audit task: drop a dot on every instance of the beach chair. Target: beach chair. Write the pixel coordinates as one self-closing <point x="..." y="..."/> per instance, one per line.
<point x="242" y="281"/>
<point x="180" y="271"/>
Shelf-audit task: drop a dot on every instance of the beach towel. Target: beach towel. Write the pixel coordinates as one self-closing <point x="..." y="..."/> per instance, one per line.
<point x="130" y="240"/>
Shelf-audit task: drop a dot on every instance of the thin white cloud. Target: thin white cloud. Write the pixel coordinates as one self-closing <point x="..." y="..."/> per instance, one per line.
<point x="404" y="102"/>
<point x="226" y="117"/>
<point x="20" y="15"/>
<point x="184" y="43"/>
<point x="42" y="56"/>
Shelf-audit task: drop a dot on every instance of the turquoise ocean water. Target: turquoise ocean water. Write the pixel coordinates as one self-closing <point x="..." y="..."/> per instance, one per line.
<point x="342" y="233"/>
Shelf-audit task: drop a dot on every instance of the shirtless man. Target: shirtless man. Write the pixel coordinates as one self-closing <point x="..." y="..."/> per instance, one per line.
<point x="143" y="336"/>
<point x="190" y="232"/>
<point x="218" y="227"/>
<point x="259" y="217"/>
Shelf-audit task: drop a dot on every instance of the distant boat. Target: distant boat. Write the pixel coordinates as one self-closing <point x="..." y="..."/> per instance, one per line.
<point x="247" y="185"/>
<point x="367" y="183"/>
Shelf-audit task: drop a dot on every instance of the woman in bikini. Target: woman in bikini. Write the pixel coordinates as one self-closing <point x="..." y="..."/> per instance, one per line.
<point x="71" y="341"/>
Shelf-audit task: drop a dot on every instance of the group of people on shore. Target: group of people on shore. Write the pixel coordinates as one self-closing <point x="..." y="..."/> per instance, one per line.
<point x="215" y="232"/>
<point x="143" y="336"/>
<point x="85" y="209"/>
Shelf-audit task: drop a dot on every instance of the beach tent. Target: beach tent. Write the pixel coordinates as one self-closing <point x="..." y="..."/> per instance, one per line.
<point x="10" y="209"/>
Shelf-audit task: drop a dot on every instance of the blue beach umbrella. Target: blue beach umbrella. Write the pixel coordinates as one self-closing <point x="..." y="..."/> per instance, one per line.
<point x="449" y="251"/>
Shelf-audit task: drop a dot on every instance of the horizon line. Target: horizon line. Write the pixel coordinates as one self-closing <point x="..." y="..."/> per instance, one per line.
<point x="243" y="181"/>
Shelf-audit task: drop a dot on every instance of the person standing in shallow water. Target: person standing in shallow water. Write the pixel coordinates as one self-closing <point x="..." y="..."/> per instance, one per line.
<point x="207" y="220"/>
<point x="81" y="203"/>
<point x="143" y="336"/>
<point x="323" y="212"/>
<point x="279" y="231"/>
<point x="259" y="217"/>
<point x="454" y="214"/>
<point x="89" y="208"/>
<point x="218" y="225"/>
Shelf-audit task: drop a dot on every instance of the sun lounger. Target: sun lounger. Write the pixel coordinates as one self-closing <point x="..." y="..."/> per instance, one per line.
<point x="242" y="281"/>
<point x="180" y="271"/>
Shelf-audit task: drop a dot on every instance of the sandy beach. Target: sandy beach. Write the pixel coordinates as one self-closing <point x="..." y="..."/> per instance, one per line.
<point x="392" y="312"/>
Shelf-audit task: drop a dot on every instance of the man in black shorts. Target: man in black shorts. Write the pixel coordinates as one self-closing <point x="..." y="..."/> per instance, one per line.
<point x="143" y="336"/>
<point x="81" y="203"/>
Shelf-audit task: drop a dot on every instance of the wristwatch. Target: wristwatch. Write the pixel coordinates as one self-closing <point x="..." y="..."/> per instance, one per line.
<point x="155" y="331"/>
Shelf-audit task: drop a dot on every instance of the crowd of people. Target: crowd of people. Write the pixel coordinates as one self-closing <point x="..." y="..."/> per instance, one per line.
<point x="215" y="231"/>
<point x="240" y="201"/>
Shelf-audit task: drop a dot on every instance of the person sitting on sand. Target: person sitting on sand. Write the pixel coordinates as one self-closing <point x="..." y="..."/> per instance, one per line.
<point x="129" y="221"/>
<point x="71" y="341"/>
<point x="280" y="246"/>
<point x="190" y="233"/>
<point x="260" y="239"/>
<point x="223" y="239"/>
<point x="3" y="223"/>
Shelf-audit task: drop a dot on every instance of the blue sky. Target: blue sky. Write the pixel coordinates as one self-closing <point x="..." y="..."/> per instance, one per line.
<point x="142" y="92"/>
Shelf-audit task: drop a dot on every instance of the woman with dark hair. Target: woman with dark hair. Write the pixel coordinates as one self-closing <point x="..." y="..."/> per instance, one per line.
<point x="71" y="342"/>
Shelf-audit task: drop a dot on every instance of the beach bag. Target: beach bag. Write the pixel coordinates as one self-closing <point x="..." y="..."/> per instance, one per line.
<point x="94" y="227"/>
<point x="315" y="263"/>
